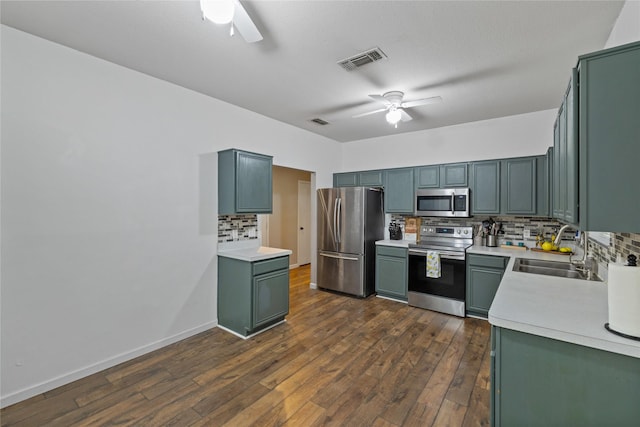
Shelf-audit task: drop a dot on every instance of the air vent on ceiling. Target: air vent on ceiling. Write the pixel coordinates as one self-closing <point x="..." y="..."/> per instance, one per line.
<point x="361" y="59"/>
<point x="319" y="121"/>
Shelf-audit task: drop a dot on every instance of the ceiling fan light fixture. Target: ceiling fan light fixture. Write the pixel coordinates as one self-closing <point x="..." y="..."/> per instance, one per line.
<point x="393" y="116"/>
<point x="217" y="11"/>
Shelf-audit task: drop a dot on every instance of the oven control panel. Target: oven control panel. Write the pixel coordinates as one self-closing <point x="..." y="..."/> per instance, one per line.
<point x="446" y="231"/>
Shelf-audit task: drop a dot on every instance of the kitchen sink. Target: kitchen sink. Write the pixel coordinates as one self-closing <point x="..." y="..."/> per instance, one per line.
<point x="551" y="268"/>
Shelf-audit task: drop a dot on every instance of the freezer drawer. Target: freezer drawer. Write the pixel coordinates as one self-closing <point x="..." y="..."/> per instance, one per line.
<point x="342" y="272"/>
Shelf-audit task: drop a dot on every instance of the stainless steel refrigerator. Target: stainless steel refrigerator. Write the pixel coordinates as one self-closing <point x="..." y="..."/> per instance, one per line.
<point x="350" y="220"/>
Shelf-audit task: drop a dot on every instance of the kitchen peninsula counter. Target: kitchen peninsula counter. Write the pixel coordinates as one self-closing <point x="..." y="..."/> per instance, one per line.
<point x="569" y="310"/>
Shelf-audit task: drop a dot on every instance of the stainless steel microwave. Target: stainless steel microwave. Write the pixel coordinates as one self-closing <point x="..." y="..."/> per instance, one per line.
<point x="443" y="202"/>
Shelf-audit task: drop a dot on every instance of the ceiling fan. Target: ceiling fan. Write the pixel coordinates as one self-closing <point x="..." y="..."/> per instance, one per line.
<point x="394" y="106"/>
<point x="231" y="11"/>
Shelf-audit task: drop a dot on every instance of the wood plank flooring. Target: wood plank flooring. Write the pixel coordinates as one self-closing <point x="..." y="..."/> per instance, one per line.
<point x="337" y="361"/>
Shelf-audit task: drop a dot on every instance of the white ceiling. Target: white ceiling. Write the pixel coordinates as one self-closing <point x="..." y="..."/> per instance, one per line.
<point x="485" y="59"/>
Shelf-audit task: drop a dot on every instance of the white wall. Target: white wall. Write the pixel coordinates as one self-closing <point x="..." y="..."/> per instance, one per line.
<point x="109" y="209"/>
<point x="513" y="136"/>
<point x="627" y="26"/>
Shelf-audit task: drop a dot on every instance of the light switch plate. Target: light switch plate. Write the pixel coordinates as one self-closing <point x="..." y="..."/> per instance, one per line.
<point x="526" y="233"/>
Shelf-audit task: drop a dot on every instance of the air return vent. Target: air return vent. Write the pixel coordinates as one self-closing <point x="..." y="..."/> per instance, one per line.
<point x="319" y="121"/>
<point x="357" y="61"/>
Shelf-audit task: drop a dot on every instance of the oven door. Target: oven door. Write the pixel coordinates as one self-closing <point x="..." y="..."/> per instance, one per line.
<point x="447" y="293"/>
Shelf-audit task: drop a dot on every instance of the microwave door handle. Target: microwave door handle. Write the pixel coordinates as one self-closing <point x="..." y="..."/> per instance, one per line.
<point x="453" y="201"/>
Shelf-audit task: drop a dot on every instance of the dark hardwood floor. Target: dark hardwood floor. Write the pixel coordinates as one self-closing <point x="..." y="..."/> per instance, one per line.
<point x="336" y="361"/>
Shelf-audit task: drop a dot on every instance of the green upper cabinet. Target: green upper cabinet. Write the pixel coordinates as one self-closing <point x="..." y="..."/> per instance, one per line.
<point x="609" y="139"/>
<point x="453" y="175"/>
<point x="346" y="179"/>
<point x="427" y="176"/>
<point x="244" y="182"/>
<point x="519" y="186"/>
<point x="485" y="187"/>
<point x="399" y="191"/>
<point x="371" y="178"/>
<point x="542" y="201"/>
<point x="564" y="204"/>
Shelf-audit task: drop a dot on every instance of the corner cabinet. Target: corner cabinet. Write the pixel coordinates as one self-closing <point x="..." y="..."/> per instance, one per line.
<point x="245" y="183"/>
<point x="399" y="191"/>
<point x="541" y="381"/>
<point x="609" y="139"/>
<point x="252" y="295"/>
<point x="391" y="272"/>
<point x="484" y="273"/>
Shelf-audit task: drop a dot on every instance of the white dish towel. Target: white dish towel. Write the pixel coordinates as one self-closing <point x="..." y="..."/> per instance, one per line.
<point x="433" y="264"/>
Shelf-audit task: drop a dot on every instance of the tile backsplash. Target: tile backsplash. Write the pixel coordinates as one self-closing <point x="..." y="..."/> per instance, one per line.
<point x="623" y="244"/>
<point x="237" y="227"/>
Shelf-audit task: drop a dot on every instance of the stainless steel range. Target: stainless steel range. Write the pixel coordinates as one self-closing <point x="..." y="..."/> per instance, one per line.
<point x="447" y="292"/>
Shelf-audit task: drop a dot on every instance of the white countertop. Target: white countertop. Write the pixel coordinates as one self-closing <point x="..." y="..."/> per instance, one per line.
<point x="256" y="253"/>
<point x="396" y="243"/>
<point x="570" y="310"/>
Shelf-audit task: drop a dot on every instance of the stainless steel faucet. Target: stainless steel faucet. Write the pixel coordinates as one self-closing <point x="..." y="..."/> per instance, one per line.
<point x="585" y="264"/>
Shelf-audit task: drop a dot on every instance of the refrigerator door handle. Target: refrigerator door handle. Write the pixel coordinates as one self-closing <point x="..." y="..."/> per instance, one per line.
<point x="339" y="229"/>
<point x="348" y="258"/>
<point x="335" y="216"/>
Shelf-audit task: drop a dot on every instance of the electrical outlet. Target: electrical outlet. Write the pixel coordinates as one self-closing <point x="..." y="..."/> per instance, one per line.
<point x="234" y="234"/>
<point x="526" y="233"/>
<point x="252" y="232"/>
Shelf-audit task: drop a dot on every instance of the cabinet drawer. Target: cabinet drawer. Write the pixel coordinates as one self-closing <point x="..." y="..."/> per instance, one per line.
<point x="488" y="261"/>
<point x="261" y="267"/>
<point x="391" y="251"/>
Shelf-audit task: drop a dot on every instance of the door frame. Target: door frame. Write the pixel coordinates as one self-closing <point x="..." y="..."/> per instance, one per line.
<point x="308" y="225"/>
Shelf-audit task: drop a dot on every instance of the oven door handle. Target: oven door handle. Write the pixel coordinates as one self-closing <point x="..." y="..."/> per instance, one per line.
<point x="443" y="255"/>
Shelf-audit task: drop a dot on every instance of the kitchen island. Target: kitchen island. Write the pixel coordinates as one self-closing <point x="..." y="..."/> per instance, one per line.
<point x="553" y="362"/>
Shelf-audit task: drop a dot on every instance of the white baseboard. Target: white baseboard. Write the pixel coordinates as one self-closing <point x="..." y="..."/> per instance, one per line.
<point x="252" y="335"/>
<point x="48" y="385"/>
<point x="313" y="286"/>
<point x="292" y="266"/>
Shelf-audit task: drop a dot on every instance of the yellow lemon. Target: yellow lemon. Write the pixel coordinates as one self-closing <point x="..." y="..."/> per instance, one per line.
<point x="547" y="246"/>
<point x="565" y="249"/>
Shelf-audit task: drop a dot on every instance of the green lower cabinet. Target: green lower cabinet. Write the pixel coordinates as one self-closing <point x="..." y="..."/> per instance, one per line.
<point x="538" y="381"/>
<point x="252" y="295"/>
<point x="391" y="272"/>
<point x="484" y="273"/>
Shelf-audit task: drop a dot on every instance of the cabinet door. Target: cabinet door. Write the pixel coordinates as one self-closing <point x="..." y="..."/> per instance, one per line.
<point x="557" y="209"/>
<point x="427" y="176"/>
<point x="453" y="175"/>
<point x="482" y="285"/>
<point x="571" y="153"/>
<point x="270" y="297"/>
<point x="391" y="277"/>
<point x="399" y="191"/>
<point x="542" y="200"/>
<point x="485" y="187"/>
<point x="371" y="178"/>
<point x="253" y="183"/>
<point x="560" y="170"/>
<point x="519" y="186"/>
<point x="347" y="179"/>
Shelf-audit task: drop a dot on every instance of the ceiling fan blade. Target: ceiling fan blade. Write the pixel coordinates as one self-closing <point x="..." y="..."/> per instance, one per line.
<point x="370" y="112"/>
<point x="424" y="101"/>
<point x="242" y="21"/>
<point x="381" y="99"/>
<point x="404" y="116"/>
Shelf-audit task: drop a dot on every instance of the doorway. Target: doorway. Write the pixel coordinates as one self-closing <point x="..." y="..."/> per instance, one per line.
<point x="304" y="222"/>
<point x="281" y="229"/>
